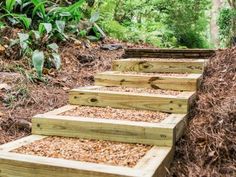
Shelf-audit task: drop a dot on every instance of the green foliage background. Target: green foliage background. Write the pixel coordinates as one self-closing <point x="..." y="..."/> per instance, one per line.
<point x="172" y="23"/>
<point x="227" y="25"/>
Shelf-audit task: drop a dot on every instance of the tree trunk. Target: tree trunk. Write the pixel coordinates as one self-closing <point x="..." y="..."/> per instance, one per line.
<point x="214" y="30"/>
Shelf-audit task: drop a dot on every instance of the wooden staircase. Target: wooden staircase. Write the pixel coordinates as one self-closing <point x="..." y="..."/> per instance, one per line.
<point x="160" y="80"/>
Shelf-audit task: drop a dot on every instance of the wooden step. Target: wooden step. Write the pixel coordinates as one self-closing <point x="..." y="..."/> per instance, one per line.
<point x="12" y="164"/>
<point x="163" y="133"/>
<point x="168" y="53"/>
<point x="95" y="96"/>
<point x="188" y="82"/>
<point x="159" y="65"/>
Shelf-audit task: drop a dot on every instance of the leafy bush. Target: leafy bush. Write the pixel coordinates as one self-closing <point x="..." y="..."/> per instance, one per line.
<point x="44" y="22"/>
<point x="158" y="22"/>
<point x="226" y="23"/>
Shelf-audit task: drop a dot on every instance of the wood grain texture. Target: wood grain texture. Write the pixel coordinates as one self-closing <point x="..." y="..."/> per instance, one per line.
<point x="105" y="129"/>
<point x="163" y="66"/>
<point x="21" y="142"/>
<point x="154" y="102"/>
<point x="164" y="133"/>
<point x="168" y="53"/>
<point x="167" y="50"/>
<point x="20" y="165"/>
<point x="156" y="161"/>
<point x="111" y="78"/>
<point x="180" y="121"/>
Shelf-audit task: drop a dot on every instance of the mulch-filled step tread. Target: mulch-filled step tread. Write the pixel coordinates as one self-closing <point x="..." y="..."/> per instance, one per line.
<point x="42" y="156"/>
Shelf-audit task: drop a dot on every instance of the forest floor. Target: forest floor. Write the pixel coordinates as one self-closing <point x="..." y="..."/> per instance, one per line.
<point x="20" y="98"/>
<point x="209" y="145"/>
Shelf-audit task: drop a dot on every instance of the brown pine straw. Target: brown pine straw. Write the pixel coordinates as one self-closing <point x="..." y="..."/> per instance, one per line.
<point x="208" y="147"/>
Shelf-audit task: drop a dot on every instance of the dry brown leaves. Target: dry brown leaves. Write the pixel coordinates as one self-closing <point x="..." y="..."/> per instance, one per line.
<point x="209" y="145"/>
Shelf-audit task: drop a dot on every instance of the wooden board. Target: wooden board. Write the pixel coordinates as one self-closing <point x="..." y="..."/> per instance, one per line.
<point x="113" y="78"/>
<point x="163" y="103"/>
<point x="158" y="66"/>
<point x="168" y="53"/>
<point x="15" y="165"/>
<point x="160" y="134"/>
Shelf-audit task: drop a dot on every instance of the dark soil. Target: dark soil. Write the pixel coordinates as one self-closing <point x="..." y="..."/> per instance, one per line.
<point x="209" y="145"/>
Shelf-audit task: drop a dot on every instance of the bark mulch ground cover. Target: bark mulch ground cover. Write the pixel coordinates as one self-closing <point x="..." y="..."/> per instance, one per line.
<point x="118" y="114"/>
<point x="26" y="98"/>
<point x="209" y="145"/>
<point x="105" y="152"/>
<point x="154" y="74"/>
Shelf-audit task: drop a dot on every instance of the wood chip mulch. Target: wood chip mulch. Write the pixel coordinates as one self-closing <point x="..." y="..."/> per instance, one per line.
<point x="209" y="145"/>
<point x="140" y="90"/>
<point x="102" y="152"/>
<point x="118" y="114"/>
<point x="155" y="74"/>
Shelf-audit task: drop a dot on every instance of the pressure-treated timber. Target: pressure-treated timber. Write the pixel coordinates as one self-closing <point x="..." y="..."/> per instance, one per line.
<point x="168" y="53"/>
<point x="153" y="164"/>
<point x="116" y="78"/>
<point x="155" y="102"/>
<point x="158" y="66"/>
<point x="164" y="133"/>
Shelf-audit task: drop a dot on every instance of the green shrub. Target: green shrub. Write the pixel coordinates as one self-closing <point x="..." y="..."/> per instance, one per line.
<point x="225" y="23"/>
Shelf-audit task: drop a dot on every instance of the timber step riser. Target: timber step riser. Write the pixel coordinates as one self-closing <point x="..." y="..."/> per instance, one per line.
<point x="158" y="66"/>
<point x="154" y="82"/>
<point x="87" y="96"/>
<point x="168" y="53"/>
<point x="164" y="133"/>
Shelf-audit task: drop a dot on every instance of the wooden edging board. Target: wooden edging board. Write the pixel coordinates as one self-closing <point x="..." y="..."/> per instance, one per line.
<point x="166" y="53"/>
<point x="116" y="78"/>
<point x="159" y="66"/>
<point x="154" y="163"/>
<point x="164" y="133"/>
<point x="89" y="96"/>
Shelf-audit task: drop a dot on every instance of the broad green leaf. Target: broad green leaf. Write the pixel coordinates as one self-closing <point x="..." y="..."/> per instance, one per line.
<point x="92" y="38"/>
<point x="10" y="4"/>
<point x="65" y="14"/>
<point x="39" y="7"/>
<point x="25" y="20"/>
<point x="23" y="40"/>
<point x="45" y="26"/>
<point x="23" y="37"/>
<point x="54" y="47"/>
<point x="36" y="34"/>
<point x="94" y="17"/>
<point x="60" y="26"/>
<point x="38" y="62"/>
<point x="56" y="60"/>
<point x="2" y="25"/>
